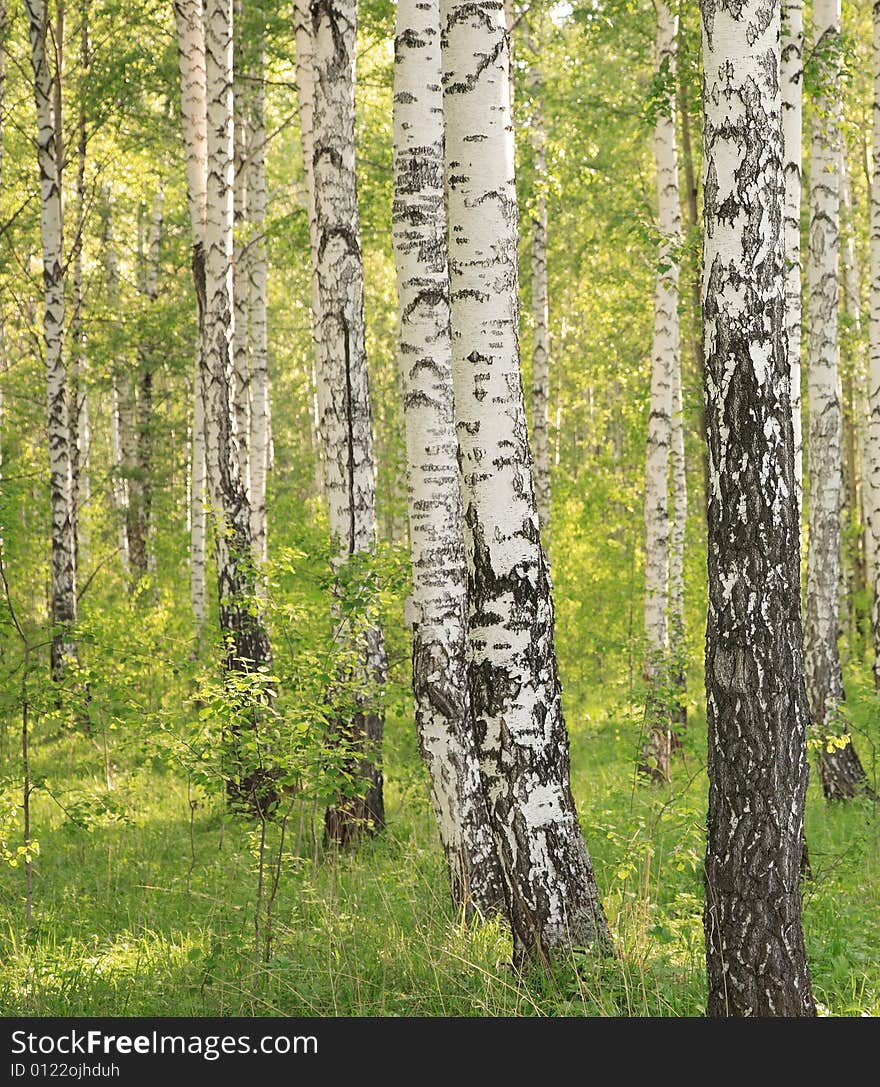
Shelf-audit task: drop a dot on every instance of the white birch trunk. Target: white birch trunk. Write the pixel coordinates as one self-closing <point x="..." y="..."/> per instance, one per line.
<point x="305" y="89"/>
<point x="540" y="303"/>
<point x="78" y="386"/>
<point x="258" y="266"/>
<point x="677" y="647"/>
<point x="241" y="266"/>
<point x="839" y="769"/>
<point x="792" y="134"/>
<point x="552" y="896"/>
<point x="191" y="63"/>
<point x="47" y="98"/>
<point x="343" y="391"/>
<point x="665" y="362"/>
<point x="439" y="597"/>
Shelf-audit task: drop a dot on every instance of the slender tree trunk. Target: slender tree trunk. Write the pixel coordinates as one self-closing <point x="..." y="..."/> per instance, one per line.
<point x="654" y="761"/>
<point x="305" y="89"/>
<point x="792" y="125"/>
<point x="678" y="532"/>
<point x="872" y="461"/>
<point x="540" y="304"/>
<point x="342" y="385"/>
<point x="241" y="250"/>
<point x="756" y="702"/>
<point x="257" y="293"/>
<point x="552" y="896"/>
<point x="47" y="97"/>
<point x="140" y="490"/>
<point x="439" y="598"/>
<point x="191" y="62"/>
<point x="839" y="767"/>
<point x="78" y="387"/>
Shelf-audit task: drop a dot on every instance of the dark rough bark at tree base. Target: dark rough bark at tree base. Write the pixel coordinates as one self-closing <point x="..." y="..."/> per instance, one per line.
<point x="756" y="698"/>
<point x="842" y="775"/>
<point x="346" y="822"/>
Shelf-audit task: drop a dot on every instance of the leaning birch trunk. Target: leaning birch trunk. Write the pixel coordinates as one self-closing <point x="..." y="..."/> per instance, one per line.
<point x="191" y="63"/>
<point x="305" y="90"/>
<point x="343" y="390"/>
<point x="872" y="460"/>
<point x="839" y="767"/>
<point x="439" y="597"/>
<point x="654" y="760"/>
<point x="792" y="124"/>
<point x="756" y="702"/>
<point x="258" y="265"/>
<point x="552" y="897"/>
<point x="63" y="589"/>
<point x="540" y="304"/>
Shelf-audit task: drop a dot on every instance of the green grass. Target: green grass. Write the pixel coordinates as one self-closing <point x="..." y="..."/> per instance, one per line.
<point x="123" y="927"/>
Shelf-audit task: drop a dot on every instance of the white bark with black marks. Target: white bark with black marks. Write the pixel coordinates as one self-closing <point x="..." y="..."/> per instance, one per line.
<point x="872" y="465"/>
<point x="552" y="896"/>
<point x="756" y="702"/>
<point x="49" y="152"/>
<point x="792" y="71"/>
<point x="343" y="392"/>
<point x="439" y="597"/>
<point x="665" y="361"/>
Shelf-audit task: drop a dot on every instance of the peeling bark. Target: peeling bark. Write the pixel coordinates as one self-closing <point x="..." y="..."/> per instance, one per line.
<point x="756" y="701"/>
<point x="552" y="898"/>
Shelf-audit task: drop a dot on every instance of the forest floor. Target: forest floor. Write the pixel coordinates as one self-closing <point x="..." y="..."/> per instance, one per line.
<point x="139" y="910"/>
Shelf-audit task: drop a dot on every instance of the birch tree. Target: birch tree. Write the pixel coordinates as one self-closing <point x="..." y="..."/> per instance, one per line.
<point x="241" y="247"/>
<point x="792" y="132"/>
<point x="258" y="266"/>
<point x="551" y="893"/>
<point x="540" y="302"/>
<point x="439" y="596"/>
<point x="839" y="767"/>
<point x="664" y="365"/>
<point x="756" y="701"/>
<point x="47" y="98"/>
<point x="343" y="392"/>
<point x="191" y="63"/>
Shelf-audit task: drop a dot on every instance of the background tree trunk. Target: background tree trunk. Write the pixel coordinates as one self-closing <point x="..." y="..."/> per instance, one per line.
<point x="439" y="598"/>
<point x="655" y="754"/>
<point x="552" y="896"/>
<point x="343" y="391"/>
<point x="756" y="703"/>
<point x="839" y="767"/>
<point x="792" y="134"/>
<point x="872" y="465"/>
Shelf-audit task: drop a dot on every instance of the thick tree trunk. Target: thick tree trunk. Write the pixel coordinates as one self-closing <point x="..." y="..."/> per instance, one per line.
<point x="837" y="760"/>
<point x="78" y="384"/>
<point x="654" y="761"/>
<point x="552" y="896"/>
<point x="792" y="123"/>
<point x="439" y="598"/>
<point x="756" y="702"/>
<point x="47" y="97"/>
<point x="342" y="383"/>
<point x="258" y="265"/>
<point x="191" y="63"/>
<point x="540" y="303"/>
